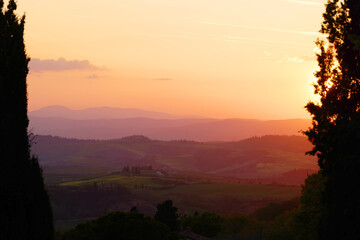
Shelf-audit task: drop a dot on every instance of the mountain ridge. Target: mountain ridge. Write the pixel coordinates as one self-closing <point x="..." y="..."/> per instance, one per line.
<point x="166" y="129"/>
<point x="102" y="112"/>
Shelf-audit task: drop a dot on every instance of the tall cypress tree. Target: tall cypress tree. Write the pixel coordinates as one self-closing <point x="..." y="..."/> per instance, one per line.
<point x="25" y="211"/>
<point x="335" y="131"/>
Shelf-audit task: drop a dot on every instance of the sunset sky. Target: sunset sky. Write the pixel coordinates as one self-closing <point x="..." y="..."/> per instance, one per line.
<point x="215" y="58"/>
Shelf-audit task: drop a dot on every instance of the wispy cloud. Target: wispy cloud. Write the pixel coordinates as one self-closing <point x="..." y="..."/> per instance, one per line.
<point x="302" y="59"/>
<point x="305" y="2"/>
<point x="93" y="76"/>
<point x="159" y="2"/>
<point x="163" y="35"/>
<point x="163" y="79"/>
<point x="295" y="60"/>
<point x="61" y="64"/>
<point x="309" y="58"/>
<point x="267" y="53"/>
<point x="263" y="29"/>
<point x="236" y="39"/>
<point x="292" y="31"/>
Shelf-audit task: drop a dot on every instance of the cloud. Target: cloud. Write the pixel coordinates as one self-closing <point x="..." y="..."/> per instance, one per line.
<point x="301" y="59"/>
<point x="237" y="39"/>
<point x="293" y="31"/>
<point x="180" y="36"/>
<point x="309" y="58"/>
<point x="305" y="2"/>
<point x="93" y="76"/>
<point x="163" y="79"/>
<point x="267" y="53"/>
<point x="295" y="60"/>
<point x="61" y="64"/>
<point x="262" y="29"/>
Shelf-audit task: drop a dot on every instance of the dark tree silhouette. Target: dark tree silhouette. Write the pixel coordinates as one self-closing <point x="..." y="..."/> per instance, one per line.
<point x="305" y="219"/>
<point x="120" y="225"/>
<point x="25" y="211"/>
<point x="167" y="214"/>
<point x="335" y="132"/>
<point x="207" y="224"/>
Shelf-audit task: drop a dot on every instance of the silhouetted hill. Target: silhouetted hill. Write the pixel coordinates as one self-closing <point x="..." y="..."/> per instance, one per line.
<point x="108" y="128"/>
<point x="101" y="113"/>
<point x="166" y="129"/>
<point x="233" y="129"/>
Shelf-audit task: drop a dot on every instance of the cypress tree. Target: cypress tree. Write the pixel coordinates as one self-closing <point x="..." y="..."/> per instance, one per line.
<point x="335" y="130"/>
<point x="25" y="211"/>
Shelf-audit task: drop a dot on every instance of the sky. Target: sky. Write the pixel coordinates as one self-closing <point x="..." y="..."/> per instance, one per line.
<point x="214" y="58"/>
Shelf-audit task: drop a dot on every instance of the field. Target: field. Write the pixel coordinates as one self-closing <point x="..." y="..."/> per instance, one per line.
<point x="189" y="194"/>
<point x="167" y="187"/>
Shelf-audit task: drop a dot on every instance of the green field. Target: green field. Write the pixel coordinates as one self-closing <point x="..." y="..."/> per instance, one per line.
<point x="172" y="186"/>
<point x="197" y="194"/>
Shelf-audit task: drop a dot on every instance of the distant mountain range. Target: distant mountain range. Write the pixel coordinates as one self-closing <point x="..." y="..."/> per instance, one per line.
<point x="111" y="123"/>
<point x="101" y="113"/>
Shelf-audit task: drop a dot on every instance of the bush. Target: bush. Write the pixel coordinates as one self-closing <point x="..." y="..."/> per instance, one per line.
<point x="120" y="225"/>
<point x="207" y="224"/>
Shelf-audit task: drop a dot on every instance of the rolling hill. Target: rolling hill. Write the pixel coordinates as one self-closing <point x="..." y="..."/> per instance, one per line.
<point x="265" y="159"/>
<point x="166" y="129"/>
<point x="111" y="123"/>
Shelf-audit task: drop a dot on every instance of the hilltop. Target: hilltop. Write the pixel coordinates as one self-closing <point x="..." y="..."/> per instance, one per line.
<point x="110" y="123"/>
<point x="264" y="159"/>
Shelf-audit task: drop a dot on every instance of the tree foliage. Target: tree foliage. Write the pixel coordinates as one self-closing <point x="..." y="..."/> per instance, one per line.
<point x="25" y="211"/>
<point x="120" y="225"/>
<point x="335" y="130"/>
<point x="301" y="222"/>
<point x="167" y="214"/>
<point x="305" y="220"/>
<point x="207" y="224"/>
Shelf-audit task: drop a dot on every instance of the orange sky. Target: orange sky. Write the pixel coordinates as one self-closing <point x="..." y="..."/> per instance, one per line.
<point x="216" y="58"/>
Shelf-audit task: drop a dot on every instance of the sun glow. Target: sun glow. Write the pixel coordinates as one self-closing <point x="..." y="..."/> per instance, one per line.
<point x="214" y="58"/>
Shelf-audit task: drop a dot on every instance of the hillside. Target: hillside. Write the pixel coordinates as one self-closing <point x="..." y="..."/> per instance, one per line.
<point x="264" y="159"/>
<point x="197" y="129"/>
